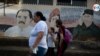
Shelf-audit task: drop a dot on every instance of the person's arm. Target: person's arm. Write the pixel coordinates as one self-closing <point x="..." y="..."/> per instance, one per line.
<point x="61" y="38"/>
<point x="40" y="29"/>
<point x="38" y="39"/>
<point x="56" y="38"/>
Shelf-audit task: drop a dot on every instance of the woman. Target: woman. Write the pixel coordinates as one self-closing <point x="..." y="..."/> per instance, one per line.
<point x="37" y="40"/>
<point x="62" y="45"/>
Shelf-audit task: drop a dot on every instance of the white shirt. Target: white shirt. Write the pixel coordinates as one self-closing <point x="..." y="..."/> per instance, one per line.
<point x="16" y="31"/>
<point x="40" y="26"/>
<point x="50" y="41"/>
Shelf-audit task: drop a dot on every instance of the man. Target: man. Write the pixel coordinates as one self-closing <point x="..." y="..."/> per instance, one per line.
<point x="87" y="30"/>
<point x="22" y="28"/>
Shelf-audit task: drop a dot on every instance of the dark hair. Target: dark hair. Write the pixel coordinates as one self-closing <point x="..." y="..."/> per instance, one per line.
<point x="88" y="11"/>
<point x="38" y="13"/>
<point x="52" y="29"/>
<point x="58" y="22"/>
<point x="30" y="13"/>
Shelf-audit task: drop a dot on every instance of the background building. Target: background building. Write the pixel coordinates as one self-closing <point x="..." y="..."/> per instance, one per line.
<point x="58" y="3"/>
<point x="70" y="10"/>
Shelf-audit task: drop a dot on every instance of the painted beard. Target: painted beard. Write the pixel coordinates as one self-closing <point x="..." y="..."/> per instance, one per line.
<point x="21" y="22"/>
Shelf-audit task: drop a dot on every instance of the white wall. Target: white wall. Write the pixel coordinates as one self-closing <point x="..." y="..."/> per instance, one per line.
<point x="47" y="9"/>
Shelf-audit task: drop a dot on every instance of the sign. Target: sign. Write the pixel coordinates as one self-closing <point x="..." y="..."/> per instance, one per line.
<point x="96" y="7"/>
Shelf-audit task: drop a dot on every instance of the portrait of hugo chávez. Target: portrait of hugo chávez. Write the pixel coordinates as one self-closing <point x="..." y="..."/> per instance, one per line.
<point x="87" y="31"/>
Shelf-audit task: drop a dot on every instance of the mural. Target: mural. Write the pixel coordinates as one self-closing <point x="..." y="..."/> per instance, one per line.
<point x="87" y="31"/>
<point x="54" y="15"/>
<point x="71" y="17"/>
<point x="22" y="28"/>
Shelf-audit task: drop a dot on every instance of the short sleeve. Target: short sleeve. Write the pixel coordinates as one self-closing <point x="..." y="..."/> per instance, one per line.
<point x="40" y="27"/>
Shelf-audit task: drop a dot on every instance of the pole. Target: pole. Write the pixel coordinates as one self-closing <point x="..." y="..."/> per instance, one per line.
<point x="37" y="2"/>
<point x="71" y="2"/>
<point x="4" y="8"/>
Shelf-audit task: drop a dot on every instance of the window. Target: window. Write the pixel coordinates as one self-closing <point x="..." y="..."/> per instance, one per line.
<point x="79" y="2"/>
<point x="63" y="2"/>
<point x="10" y="1"/>
<point x="42" y="2"/>
<point x="47" y="2"/>
<point x="72" y="2"/>
<point x="29" y="1"/>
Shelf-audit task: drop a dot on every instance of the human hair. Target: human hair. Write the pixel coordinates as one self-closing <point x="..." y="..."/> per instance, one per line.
<point x="52" y="28"/>
<point x="58" y="22"/>
<point x="88" y="11"/>
<point x="30" y="13"/>
<point x="38" y="13"/>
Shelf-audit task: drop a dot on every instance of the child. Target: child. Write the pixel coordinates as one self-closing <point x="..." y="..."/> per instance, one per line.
<point x="50" y="41"/>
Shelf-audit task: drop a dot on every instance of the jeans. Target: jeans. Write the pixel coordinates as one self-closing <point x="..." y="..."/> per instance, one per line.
<point x="41" y="51"/>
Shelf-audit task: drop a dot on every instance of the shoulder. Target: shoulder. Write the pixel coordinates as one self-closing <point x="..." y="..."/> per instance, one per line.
<point x="62" y="28"/>
<point x="78" y="27"/>
<point x="12" y="28"/>
<point x="95" y="25"/>
<point x="30" y="27"/>
<point x="41" y="23"/>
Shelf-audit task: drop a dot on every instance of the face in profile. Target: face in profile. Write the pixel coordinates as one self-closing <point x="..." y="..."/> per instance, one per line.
<point x="36" y="18"/>
<point x="23" y="18"/>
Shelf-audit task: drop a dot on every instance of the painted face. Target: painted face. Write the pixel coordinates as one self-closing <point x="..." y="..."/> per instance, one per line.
<point x="23" y="18"/>
<point x="53" y="21"/>
<point x="87" y="18"/>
